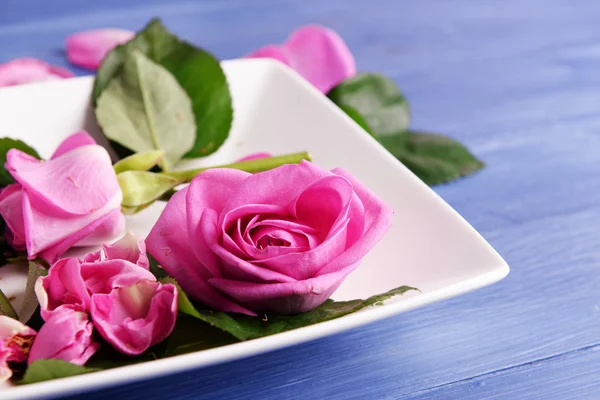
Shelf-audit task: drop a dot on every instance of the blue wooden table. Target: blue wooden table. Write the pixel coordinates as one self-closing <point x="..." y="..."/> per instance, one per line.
<point x="517" y="81"/>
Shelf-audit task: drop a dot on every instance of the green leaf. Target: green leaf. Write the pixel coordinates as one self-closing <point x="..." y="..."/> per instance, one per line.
<point x="197" y="71"/>
<point x="357" y="117"/>
<point x="142" y="187"/>
<point x="30" y="300"/>
<point x="5" y="145"/>
<point x="45" y="370"/>
<point x="433" y="158"/>
<point x="377" y="99"/>
<point x="139" y="161"/>
<point x="244" y="327"/>
<point x="145" y="109"/>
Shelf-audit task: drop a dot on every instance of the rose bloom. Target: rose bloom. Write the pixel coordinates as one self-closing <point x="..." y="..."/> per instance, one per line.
<point x="15" y="341"/>
<point x="126" y="305"/>
<point x="73" y="199"/>
<point x="278" y="241"/>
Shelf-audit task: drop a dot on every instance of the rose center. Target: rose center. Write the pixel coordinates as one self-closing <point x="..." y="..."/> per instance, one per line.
<point x="267" y="241"/>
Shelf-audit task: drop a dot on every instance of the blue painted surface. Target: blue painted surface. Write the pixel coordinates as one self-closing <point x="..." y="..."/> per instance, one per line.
<point x="519" y="82"/>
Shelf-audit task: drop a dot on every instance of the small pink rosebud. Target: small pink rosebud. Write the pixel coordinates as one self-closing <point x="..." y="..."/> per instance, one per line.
<point x="66" y="336"/>
<point x="15" y="342"/>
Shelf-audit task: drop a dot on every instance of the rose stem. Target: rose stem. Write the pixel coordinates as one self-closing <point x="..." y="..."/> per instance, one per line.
<point x="257" y="165"/>
<point x="6" y="308"/>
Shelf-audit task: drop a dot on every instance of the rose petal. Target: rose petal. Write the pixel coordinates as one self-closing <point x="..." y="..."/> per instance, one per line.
<point x="63" y="287"/>
<point x="234" y="267"/>
<point x="88" y="49"/>
<point x="317" y="53"/>
<point x="276" y="187"/>
<point x="136" y="317"/>
<point x="111" y="227"/>
<point x="78" y="139"/>
<point x="77" y="182"/>
<point x="66" y="336"/>
<point x="209" y="190"/>
<point x="378" y="220"/>
<point x="103" y="276"/>
<point x="271" y="51"/>
<point x="254" y="156"/>
<point x="169" y="244"/>
<point x="27" y="70"/>
<point x="284" y="298"/>
<point x="128" y="248"/>
<point x="50" y="234"/>
<point x="11" y="200"/>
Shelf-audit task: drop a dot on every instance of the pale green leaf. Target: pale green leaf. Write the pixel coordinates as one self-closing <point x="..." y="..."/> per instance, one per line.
<point x="145" y="109"/>
<point x="198" y="72"/>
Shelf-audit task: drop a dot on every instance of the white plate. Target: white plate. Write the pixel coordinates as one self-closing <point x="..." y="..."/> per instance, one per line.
<point x="429" y="246"/>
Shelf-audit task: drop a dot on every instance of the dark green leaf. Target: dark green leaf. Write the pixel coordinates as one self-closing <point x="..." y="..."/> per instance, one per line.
<point x="433" y="158"/>
<point x="245" y="327"/>
<point x="45" y="370"/>
<point x="30" y="300"/>
<point x="145" y="109"/>
<point x="197" y="71"/>
<point x="5" y="145"/>
<point x="377" y="99"/>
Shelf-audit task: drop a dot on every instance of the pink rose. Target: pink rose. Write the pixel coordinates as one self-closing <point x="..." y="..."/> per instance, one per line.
<point x="277" y="241"/>
<point x="15" y="341"/>
<point x="317" y="53"/>
<point x="128" y="307"/>
<point x="73" y="199"/>
<point x="66" y="336"/>
<point x="87" y="49"/>
<point x="27" y="70"/>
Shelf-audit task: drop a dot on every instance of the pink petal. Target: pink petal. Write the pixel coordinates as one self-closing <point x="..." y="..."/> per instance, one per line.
<point x="277" y="187"/>
<point x="127" y="248"/>
<point x="108" y="229"/>
<point x="209" y="190"/>
<point x="378" y="220"/>
<point x="102" y="277"/>
<point x="317" y="53"/>
<point x="78" y="139"/>
<point x="170" y="245"/>
<point x="66" y="336"/>
<point x="62" y="288"/>
<point x="283" y="298"/>
<point x="254" y="156"/>
<point x="27" y="70"/>
<point x="50" y="234"/>
<point x="88" y="49"/>
<point x="233" y="266"/>
<point x="270" y="51"/>
<point x="11" y="199"/>
<point x="77" y="183"/>
<point x="136" y="317"/>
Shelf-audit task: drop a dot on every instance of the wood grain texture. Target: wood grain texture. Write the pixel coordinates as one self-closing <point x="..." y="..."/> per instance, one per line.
<point x="519" y="83"/>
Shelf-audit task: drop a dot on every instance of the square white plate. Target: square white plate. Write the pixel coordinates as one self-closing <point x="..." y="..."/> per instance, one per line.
<point x="429" y="246"/>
